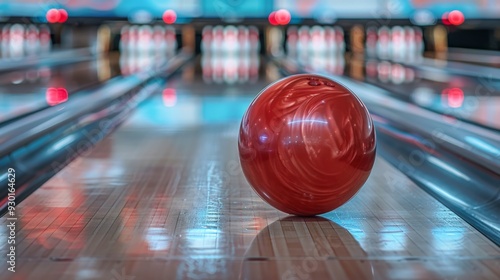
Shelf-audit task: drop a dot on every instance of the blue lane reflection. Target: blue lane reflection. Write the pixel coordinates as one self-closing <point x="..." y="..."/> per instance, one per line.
<point x="481" y="145"/>
<point x="183" y="110"/>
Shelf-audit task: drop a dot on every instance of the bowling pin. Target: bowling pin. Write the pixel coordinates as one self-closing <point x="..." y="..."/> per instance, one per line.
<point x="160" y="44"/>
<point x="243" y="39"/>
<point x="134" y="39"/>
<point x="254" y="39"/>
<point x="31" y="40"/>
<point x="371" y="41"/>
<point x="218" y="38"/>
<point x="292" y="38"/>
<point x="44" y="37"/>
<point x="206" y="39"/>
<point x="384" y="42"/>
<point x="317" y="43"/>
<point x="171" y="40"/>
<point x="5" y="40"/>
<point x="410" y="43"/>
<point x="16" y="43"/>
<point x="230" y="43"/>
<point x="303" y="44"/>
<point x="145" y="43"/>
<point x="124" y="39"/>
<point x="419" y="42"/>
<point x="331" y="46"/>
<point x="339" y="39"/>
<point x="398" y="43"/>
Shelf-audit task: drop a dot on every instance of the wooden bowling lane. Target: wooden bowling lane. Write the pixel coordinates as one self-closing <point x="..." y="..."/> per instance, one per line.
<point x="164" y="198"/>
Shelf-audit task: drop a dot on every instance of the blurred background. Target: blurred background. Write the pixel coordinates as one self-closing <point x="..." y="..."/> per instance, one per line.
<point x="434" y="25"/>
<point x="373" y="41"/>
<point x="121" y="119"/>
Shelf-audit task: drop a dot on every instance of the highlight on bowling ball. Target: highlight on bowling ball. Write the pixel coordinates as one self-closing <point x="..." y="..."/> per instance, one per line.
<point x="306" y="144"/>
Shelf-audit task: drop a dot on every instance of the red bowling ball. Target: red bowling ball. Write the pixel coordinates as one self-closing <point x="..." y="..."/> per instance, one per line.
<point x="306" y="144"/>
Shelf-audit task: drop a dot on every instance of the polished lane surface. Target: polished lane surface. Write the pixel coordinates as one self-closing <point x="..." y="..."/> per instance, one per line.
<point x="472" y="99"/>
<point x="164" y="197"/>
<point x="27" y="90"/>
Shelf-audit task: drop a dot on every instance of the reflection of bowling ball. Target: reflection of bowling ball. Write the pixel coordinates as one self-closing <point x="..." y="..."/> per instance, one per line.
<point x="305" y="248"/>
<point x="306" y="144"/>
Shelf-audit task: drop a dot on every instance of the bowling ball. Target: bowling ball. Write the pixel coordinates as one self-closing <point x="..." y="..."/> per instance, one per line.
<point x="306" y="144"/>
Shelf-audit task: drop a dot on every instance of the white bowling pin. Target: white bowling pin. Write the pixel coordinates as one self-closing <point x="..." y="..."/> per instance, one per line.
<point x="254" y="39"/>
<point x="230" y="44"/>
<point x="206" y="39"/>
<point x="303" y="43"/>
<point x="160" y="45"/>
<point x="16" y="43"/>
<point x="44" y="37"/>
<point x="31" y="40"/>
<point x="124" y="39"/>
<point x="384" y="42"/>
<point x="243" y="39"/>
<point x="145" y="42"/>
<point x="398" y="43"/>
<point x="292" y="38"/>
<point x="331" y="45"/>
<point x="5" y="40"/>
<point x="317" y="44"/>
<point x="339" y="40"/>
<point x="419" y="42"/>
<point x="134" y="39"/>
<point x="171" y="40"/>
<point x="217" y="39"/>
<point x="410" y="43"/>
<point x="371" y="41"/>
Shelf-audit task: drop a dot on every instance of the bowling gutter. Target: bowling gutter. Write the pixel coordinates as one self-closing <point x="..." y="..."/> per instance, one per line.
<point x="454" y="161"/>
<point x="32" y="144"/>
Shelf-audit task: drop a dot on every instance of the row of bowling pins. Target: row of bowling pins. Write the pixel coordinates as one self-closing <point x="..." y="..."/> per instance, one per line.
<point x="230" y="69"/>
<point x="18" y="40"/>
<point x="230" y="39"/>
<point x="146" y="39"/>
<point x="397" y="43"/>
<point x="324" y="40"/>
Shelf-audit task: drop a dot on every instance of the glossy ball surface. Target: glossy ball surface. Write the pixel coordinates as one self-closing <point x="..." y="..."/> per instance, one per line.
<point x="306" y="144"/>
